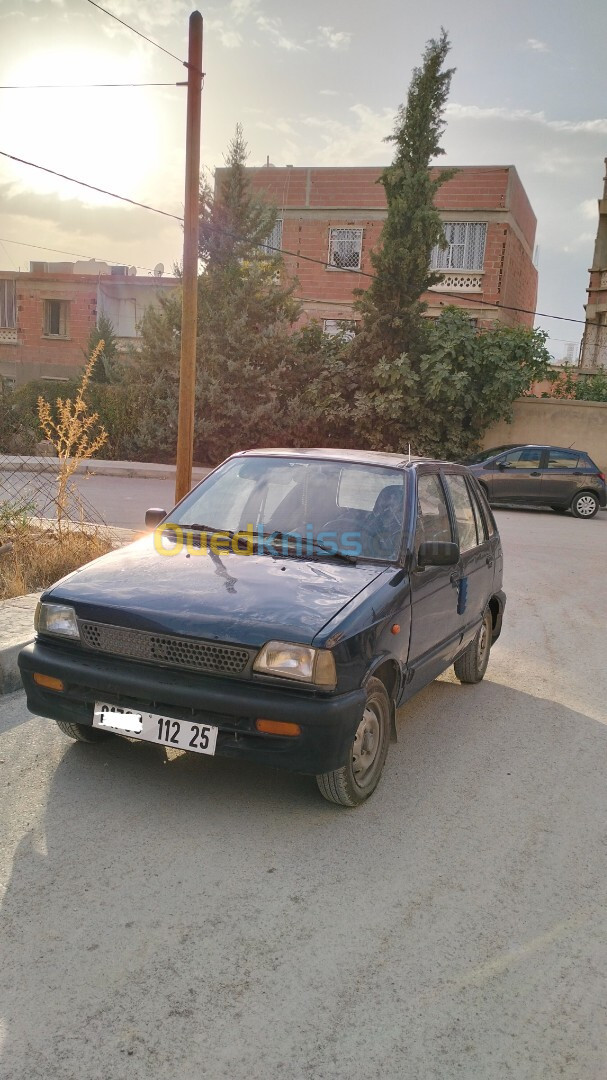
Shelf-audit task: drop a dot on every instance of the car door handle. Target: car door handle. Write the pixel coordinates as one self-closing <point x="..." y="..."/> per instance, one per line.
<point x="455" y="580"/>
<point x="536" y="472"/>
<point x="489" y="560"/>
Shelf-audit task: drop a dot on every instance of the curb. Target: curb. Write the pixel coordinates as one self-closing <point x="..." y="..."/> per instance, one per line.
<point x="143" y="470"/>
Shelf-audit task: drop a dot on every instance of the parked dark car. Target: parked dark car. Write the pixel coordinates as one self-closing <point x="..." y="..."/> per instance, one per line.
<point x="555" y="476"/>
<point x="280" y="613"/>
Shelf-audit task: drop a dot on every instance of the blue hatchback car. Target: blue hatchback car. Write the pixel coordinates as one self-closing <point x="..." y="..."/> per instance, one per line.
<point x="280" y="613"/>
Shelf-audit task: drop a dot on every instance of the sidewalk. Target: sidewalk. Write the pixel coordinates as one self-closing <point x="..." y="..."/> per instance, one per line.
<point x="145" y="470"/>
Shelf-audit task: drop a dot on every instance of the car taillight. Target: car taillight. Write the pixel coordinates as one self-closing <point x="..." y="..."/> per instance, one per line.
<point x="602" y="476"/>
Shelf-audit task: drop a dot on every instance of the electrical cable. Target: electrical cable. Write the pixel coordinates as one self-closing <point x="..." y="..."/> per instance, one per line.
<point x="128" y="26"/>
<point x="77" y="254"/>
<point x="87" y="86"/>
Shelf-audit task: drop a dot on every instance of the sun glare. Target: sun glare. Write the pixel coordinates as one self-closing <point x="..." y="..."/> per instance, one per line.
<point x="106" y="137"/>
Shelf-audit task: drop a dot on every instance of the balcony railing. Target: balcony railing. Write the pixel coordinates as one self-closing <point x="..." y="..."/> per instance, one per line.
<point x="465" y="281"/>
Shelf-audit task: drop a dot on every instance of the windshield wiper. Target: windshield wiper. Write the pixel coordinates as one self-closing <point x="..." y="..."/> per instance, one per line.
<point x="277" y="537"/>
<point x="202" y="528"/>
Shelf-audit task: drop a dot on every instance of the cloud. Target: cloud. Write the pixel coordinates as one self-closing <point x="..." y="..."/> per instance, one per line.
<point x="338" y="40"/>
<point x="535" y="45"/>
<point x="329" y="93"/>
<point x="455" y="111"/>
<point x="589" y="209"/>
<point x="273" y="28"/>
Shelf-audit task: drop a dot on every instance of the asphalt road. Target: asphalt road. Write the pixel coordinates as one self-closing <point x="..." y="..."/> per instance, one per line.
<point x="175" y="917"/>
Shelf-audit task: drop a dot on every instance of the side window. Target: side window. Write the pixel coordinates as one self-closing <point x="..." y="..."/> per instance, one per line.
<point x="481" y="527"/>
<point x="432" y="514"/>
<point x="564" y="459"/>
<point x="464" y="513"/>
<point x="528" y="457"/>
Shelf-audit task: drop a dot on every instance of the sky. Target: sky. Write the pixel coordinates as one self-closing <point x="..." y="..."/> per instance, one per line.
<point x="315" y="83"/>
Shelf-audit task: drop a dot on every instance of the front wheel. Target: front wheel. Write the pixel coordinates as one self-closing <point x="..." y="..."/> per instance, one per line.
<point x="584" y="504"/>
<point x="358" y="778"/>
<point x="471" y="666"/>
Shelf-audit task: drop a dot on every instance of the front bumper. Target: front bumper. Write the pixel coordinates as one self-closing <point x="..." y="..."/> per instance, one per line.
<point x="328" y="721"/>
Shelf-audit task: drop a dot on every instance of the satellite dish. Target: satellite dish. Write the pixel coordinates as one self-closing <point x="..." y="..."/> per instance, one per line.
<point x="159" y="270"/>
<point x="132" y="271"/>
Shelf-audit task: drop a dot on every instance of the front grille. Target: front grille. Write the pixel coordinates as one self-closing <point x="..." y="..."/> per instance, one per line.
<point x="163" y="649"/>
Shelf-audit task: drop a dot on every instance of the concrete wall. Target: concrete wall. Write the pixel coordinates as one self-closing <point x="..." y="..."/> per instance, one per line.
<point x="581" y="424"/>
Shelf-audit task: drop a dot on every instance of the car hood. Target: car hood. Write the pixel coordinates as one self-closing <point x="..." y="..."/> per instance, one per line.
<point x="246" y="599"/>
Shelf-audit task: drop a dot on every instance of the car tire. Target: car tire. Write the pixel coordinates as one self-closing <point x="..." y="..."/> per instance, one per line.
<point x="584" y="504"/>
<point x="82" y="732"/>
<point x="359" y="777"/>
<point x="559" y="509"/>
<point x="471" y="666"/>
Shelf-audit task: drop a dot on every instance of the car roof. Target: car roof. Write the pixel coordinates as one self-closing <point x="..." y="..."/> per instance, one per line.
<point x="532" y="446"/>
<point x="359" y="457"/>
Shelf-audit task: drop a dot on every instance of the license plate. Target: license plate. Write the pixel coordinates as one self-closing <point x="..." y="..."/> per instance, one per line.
<point x="151" y="727"/>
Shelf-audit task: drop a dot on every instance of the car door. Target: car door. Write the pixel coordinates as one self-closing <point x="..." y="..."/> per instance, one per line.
<point x="561" y="476"/>
<point x="435" y="624"/>
<point x="517" y="476"/>
<point x="477" y="558"/>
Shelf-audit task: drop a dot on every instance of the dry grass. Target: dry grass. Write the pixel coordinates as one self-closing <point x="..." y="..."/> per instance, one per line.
<point x="35" y="558"/>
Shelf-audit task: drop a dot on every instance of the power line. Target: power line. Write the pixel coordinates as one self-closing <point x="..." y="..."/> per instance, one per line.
<point x="294" y="254"/>
<point x="91" y="187"/>
<point x="87" y="86"/>
<point x="77" y="254"/>
<point x="128" y="26"/>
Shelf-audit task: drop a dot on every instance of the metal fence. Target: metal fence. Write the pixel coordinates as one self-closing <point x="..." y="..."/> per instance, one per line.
<point x="29" y="488"/>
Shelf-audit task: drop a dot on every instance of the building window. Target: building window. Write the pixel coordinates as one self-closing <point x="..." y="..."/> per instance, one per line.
<point x="8" y="305"/>
<point x="55" y="318"/>
<point x="345" y="247"/>
<point x="344" y="328"/>
<point x="273" y="242"/>
<point x="465" y="246"/>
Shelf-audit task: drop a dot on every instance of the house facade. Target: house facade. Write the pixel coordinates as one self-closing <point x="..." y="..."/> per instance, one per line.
<point x="336" y="216"/>
<point x="593" y="355"/>
<point x="47" y="314"/>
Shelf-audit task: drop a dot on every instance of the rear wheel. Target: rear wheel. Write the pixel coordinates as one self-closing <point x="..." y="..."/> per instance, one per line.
<point x="584" y="504"/>
<point x="358" y="778"/>
<point x="471" y="666"/>
<point x="82" y="732"/>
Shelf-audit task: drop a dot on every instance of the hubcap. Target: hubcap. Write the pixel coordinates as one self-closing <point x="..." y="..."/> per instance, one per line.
<point x="585" y="505"/>
<point x="366" y="744"/>
<point x="483" y="641"/>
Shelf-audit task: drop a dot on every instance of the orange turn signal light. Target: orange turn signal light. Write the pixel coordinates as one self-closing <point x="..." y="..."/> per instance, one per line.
<point x="277" y="727"/>
<point x="49" y="681"/>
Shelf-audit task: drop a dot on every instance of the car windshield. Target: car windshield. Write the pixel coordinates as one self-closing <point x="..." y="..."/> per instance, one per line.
<point x="484" y="455"/>
<point x="311" y="508"/>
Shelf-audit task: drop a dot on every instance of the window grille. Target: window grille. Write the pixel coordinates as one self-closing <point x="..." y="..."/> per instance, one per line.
<point x="465" y="246"/>
<point x="55" y="318"/>
<point x="344" y="328"/>
<point x="345" y="247"/>
<point x="274" y="240"/>
<point x="8" y="304"/>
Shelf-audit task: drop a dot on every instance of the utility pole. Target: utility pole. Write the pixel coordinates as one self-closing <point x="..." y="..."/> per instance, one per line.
<point x="187" y="367"/>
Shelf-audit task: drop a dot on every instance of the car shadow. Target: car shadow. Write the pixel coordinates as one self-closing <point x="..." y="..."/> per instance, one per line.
<point x="149" y="869"/>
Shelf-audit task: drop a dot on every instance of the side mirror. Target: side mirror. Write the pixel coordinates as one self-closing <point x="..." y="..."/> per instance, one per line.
<point x="437" y="553"/>
<point x="154" y="516"/>
<point x="501" y="465"/>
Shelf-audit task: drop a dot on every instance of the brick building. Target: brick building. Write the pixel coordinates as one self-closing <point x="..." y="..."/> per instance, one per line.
<point x="46" y="314"/>
<point x="594" y="342"/>
<point x="336" y="215"/>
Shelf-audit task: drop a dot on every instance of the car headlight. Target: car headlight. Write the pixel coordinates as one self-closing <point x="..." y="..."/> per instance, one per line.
<point x="56" y="619"/>
<point x="299" y="662"/>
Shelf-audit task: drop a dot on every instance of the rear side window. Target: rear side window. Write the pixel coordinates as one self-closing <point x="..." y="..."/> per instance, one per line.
<point x="433" y="522"/>
<point x="464" y="512"/>
<point x="564" y="459"/>
<point x="481" y="528"/>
